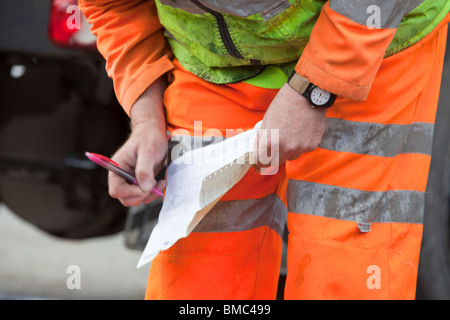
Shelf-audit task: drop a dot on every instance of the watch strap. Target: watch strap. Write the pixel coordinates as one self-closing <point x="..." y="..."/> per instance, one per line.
<point x="298" y="83"/>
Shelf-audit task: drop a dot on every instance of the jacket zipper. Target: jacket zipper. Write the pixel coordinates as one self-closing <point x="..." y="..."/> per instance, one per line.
<point x="224" y="33"/>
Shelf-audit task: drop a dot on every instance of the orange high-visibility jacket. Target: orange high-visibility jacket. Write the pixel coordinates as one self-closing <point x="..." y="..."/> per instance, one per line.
<point x="342" y="55"/>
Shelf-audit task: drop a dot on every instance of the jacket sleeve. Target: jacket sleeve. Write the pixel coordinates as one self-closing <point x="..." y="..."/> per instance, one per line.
<point x="348" y="43"/>
<point x="130" y="38"/>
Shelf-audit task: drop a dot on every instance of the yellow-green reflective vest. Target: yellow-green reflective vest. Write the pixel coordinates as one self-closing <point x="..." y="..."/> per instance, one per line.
<point x="225" y="41"/>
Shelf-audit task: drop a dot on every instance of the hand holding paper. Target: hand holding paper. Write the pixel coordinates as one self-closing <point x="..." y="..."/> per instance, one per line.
<point x="195" y="182"/>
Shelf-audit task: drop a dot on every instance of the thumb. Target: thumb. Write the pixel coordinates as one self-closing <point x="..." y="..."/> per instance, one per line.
<point x="144" y="171"/>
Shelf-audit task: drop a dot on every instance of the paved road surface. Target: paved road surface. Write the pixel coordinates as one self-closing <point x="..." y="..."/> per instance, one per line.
<point x="34" y="265"/>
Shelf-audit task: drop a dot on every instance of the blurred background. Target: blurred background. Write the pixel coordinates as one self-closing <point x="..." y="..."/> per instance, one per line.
<point x="57" y="103"/>
<point x="61" y="235"/>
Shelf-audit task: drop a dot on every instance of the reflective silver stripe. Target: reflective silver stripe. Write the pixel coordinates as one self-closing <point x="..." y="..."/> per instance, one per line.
<point x="355" y="205"/>
<point x="386" y="140"/>
<point x="391" y="12"/>
<point x="187" y="6"/>
<point x="240" y="8"/>
<point x="241" y="215"/>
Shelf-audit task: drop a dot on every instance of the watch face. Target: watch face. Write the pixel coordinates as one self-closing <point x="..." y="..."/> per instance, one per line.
<point x="319" y="96"/>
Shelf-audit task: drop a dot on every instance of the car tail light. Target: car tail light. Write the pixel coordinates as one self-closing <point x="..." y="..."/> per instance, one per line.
<point x="68" y="26"/>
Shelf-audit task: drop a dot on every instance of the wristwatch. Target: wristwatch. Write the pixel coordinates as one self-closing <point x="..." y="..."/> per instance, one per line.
<point x="316" y="96"/>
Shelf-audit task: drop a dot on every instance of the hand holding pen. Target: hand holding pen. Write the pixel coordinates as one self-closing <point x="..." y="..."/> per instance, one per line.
<point x="112" y="166"/>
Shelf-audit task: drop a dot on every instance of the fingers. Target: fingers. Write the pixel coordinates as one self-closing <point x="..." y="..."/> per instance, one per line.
<point x="119" y="188"/>
<point x="142" y="197"/>
<point x="268" y="151"/>
<point x="132" y="195"/>
<point x="160" y="185"/>
<point x="138" y="159"/>
<point x="145" y="170"/>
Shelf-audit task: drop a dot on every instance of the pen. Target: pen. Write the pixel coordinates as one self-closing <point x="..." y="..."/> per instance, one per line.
<point x="112" y="166"/>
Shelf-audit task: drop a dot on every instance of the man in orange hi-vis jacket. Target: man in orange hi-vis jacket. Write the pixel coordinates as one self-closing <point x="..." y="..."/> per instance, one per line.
<point x="351" y="87"/>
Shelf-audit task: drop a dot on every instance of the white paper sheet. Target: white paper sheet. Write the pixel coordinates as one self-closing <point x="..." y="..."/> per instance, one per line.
<point x="195" y="182"/>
